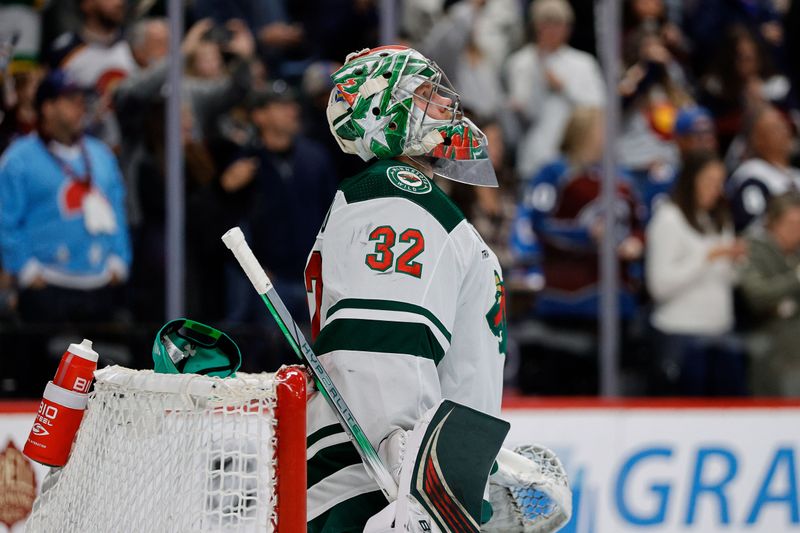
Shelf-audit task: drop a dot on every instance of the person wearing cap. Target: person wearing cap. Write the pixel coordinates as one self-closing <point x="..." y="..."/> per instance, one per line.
<point x="693" y="130"/>
<point x="289" y="181"/>
<point x="63" y="233"/>
<point x="547" y="80"/>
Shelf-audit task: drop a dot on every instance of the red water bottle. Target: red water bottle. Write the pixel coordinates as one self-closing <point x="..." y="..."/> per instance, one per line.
<point x="56" y="423"/>
<point x="76" y="370"/>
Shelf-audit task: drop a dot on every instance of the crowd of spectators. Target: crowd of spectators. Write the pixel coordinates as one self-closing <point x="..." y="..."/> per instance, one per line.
<point x="706" y="219"/>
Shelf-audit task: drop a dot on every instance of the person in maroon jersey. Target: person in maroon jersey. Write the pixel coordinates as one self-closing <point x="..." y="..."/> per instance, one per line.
<point x="565" y="212"/>
<point x="562" y="207"/>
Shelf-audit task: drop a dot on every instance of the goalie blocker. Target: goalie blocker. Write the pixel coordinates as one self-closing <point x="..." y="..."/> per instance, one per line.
<point x="443" y="465"/>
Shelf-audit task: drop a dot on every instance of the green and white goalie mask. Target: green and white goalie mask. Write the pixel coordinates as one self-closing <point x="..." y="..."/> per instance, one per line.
<point x="392" y="101"/>
<point x="184" y="346"/>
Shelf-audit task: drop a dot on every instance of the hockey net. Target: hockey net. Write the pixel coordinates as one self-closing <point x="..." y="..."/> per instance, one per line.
<point x="179" y="453"/>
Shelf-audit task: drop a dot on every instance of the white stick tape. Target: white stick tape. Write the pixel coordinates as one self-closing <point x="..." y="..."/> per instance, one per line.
<point x="235" y="241"/>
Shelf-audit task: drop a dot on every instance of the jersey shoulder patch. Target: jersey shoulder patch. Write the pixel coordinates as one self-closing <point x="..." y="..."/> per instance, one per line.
<point x="392" y="179"/>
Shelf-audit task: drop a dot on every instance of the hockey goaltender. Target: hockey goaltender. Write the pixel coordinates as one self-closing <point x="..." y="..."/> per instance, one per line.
<point x="408" y="318"/>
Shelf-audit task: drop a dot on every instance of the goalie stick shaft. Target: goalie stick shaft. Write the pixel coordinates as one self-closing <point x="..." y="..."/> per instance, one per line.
<point x="235" y="241"/>
<point x="325" y="385"/>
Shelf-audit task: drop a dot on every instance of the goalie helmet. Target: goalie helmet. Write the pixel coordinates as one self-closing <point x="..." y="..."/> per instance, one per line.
<point x="392" y="101"/>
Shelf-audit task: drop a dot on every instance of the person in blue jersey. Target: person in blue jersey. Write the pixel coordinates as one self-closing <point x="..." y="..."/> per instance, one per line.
<point x="561" y="208"/>
<point x="556" y="238"/>
<point x="63" y="231"/>
<point x="767" y="172"/>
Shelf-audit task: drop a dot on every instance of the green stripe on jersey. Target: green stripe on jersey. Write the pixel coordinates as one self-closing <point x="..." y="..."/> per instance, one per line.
<point x="330" y="460"/>
<point x="374" y="183"/>
<point x="379" y="336"/>
<point x="389" y="305"/>
<point x="350" y="516"/>
<point x="323" y="432"/>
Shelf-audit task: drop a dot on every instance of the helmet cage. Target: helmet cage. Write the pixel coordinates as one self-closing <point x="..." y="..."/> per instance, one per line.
<point x="438" y="99"/>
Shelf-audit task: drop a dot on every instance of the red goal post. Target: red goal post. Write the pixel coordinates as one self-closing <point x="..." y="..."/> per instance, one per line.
<point x="291" y="458"/>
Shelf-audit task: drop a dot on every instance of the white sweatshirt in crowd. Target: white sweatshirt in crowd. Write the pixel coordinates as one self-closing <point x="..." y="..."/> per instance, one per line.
<point x="692" y="294"/>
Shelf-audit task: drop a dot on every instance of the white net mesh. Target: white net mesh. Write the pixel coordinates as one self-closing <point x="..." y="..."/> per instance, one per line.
<point x="529" y="493"/>
<point x="167" y="453"/>
<point x="539" y="503"/>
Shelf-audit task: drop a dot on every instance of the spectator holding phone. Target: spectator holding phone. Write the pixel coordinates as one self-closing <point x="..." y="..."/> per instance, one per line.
<point x="690" y="262"/>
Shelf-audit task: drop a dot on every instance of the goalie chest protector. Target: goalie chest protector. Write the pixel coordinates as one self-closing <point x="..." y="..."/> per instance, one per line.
<point x="407" y="305"/>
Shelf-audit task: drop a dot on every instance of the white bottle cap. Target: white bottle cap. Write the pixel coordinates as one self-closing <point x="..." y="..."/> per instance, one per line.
<point x="84" y="350"/>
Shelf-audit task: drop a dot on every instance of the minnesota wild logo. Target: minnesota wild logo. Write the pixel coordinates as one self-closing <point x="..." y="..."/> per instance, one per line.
<point x="496" y="317"/>
<point x="409" y="179"/>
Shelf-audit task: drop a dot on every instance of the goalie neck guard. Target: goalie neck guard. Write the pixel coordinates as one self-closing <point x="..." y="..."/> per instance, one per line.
<point x="392" y="101"/>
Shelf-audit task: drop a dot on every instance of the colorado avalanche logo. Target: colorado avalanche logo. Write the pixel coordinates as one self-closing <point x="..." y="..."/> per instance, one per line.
<point x="109" y="79"/>
<point x="496" y="317"/>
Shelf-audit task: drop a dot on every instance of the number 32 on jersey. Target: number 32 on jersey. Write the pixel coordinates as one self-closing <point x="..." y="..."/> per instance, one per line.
<point x="398" y="251"/>
<point x="390" y="251"/>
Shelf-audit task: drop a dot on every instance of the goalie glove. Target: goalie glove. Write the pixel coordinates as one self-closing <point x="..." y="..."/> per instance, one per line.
<point x="529" y="492"/>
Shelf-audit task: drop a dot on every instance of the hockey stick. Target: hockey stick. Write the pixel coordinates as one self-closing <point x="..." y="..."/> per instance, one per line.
<point x="235" y="241"/>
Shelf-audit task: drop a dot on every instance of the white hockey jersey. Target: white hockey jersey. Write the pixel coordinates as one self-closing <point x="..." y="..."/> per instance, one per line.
<point x="408" y="307"/>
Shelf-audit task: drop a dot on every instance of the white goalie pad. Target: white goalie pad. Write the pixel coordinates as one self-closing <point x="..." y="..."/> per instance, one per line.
<point x="529" y="492"/>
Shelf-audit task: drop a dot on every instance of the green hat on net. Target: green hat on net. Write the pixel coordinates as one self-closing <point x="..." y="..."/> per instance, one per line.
<point x="184" y="346"/>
